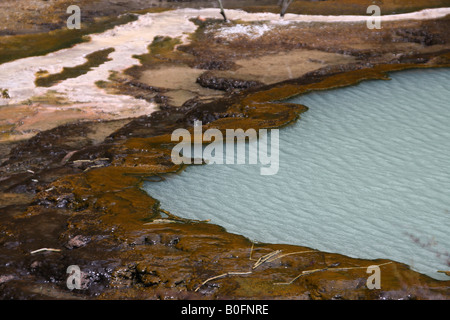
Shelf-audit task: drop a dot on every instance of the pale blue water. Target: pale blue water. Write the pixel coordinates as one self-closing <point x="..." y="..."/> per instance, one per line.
<point x="365" y="170"/>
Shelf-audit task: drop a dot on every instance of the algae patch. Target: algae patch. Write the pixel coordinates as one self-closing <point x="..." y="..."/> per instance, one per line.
<point x="51" y="97"/>
<point x="161" y="50"/>
<point x="29" y="45"/>
<point x="94" y="60"/>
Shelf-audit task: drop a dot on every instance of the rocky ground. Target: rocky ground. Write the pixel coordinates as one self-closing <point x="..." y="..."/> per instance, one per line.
<point x="74" y="188"/>
<point x="31" y="16"/>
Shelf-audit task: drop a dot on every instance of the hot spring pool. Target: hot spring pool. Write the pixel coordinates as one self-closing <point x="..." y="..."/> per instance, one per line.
<point x="365" y="173"/>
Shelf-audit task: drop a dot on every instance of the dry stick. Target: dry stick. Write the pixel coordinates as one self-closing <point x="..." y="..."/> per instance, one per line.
<point x="284" y="4"/>
<point x="68" y="156"/>
<point x="224" y="274"/>
<point x="221" y="276"/>
<point x="45" y="249"/>
<point x="98" y="159"/>
<point x="301" y="274"/>
<point x="222" y="12"/>
<point x="91" y="167"/>
<point x="326" y="269"/>
<point x="288" y="254"/>
<point x="265" y="258"/>
<point x="174" y="217"/>
<point x="273" y="256"/>
<point x="251" y="252"/>
<point x="156" y="221"/>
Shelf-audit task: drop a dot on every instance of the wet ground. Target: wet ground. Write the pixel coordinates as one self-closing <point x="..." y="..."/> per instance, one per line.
<point x="74" y="189"/>
<point x="87" y="208"/>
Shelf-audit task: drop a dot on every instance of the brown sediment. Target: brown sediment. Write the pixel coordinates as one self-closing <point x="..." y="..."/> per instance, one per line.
<point x="22" y="122"/>
<point x="211" y="66"/>
<point x="77" y="188"/>
<point x="94" y="196"/>
<point x="219" y="64"/>
<point x="278" y="67"/>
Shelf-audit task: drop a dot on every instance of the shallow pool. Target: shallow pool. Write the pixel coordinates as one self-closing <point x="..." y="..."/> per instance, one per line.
<point x="365" y="173"/>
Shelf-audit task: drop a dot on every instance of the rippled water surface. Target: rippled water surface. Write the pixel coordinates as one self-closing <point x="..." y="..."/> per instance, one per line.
<point x="365" y="173"/>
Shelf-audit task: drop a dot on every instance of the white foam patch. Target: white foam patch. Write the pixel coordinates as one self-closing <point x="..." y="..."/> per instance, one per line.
<point x="250" y="31"/>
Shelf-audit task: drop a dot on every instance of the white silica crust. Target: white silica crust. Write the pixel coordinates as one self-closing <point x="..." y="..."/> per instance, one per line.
<point x="133" y="39"/>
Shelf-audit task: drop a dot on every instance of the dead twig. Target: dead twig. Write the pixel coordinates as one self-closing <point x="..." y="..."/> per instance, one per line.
<point x="221" y="276"/>
<point x="251" y="252"/>
<point x="264" y="258"/>
<point x="290" y="253"/>
<point x="306" y="272"/>
<point x="88" y="161"/>
<point x="45" y="249"/>
<point x="179" y="219"/>
<point x="274" y="255"/>
<point x="222" y="11"/>
<point x="67" y="156"/>
<point x="91" y="167"/>
<point x="158" y="221"/>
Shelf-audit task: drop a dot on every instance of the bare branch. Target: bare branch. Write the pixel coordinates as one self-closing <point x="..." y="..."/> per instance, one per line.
<point x="284" y="4"/>
<point x="222" y="11"/>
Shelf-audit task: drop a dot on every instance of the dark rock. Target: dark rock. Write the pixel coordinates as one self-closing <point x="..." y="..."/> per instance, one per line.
<point x="215" y="65"/>
<point x="77" y="242"/>
<point x="209" y="80"/>
<point x="421" y="36"/>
